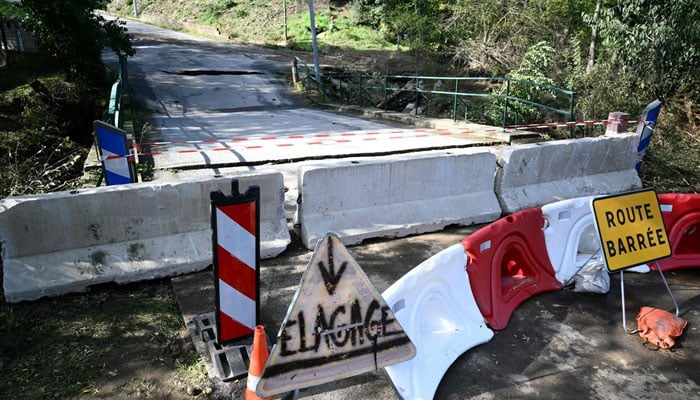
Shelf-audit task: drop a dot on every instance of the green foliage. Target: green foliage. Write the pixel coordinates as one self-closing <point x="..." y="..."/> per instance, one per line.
<point x="214" y="10"/>
<point x="75" y="35"/>
<point x="492" y="35"/>
<point x="530" y="81"/>
<point x="419" y="23"/>
<point x="45" y="127"/>
<point x="10" y="10"/>
<point x="657" y="42"/>
<point x="598" y="92"/>
<point x="369" y="13"/>
<point x="345" y="34"/>
<point x="534" y="68"/>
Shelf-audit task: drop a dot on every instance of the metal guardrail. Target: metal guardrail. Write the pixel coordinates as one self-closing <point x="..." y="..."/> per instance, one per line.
<point x="495" y="96"/>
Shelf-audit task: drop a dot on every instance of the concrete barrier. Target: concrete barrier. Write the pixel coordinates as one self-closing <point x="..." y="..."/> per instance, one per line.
<point x="396" y="196"/>
<point x="531" y="175"/>
<point x="64" y="242"/>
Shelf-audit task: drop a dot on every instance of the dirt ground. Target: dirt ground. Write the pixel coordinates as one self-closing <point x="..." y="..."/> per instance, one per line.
<point x="113" y="342"/>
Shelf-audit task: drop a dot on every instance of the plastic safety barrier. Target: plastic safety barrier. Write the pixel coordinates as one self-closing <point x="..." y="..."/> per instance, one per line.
<point x="570" y="235"/>
<point x="434" y="305"/>
<point x="508" y="263"/>
<point x="571" y="238"/>
<point x="681" y="213"/>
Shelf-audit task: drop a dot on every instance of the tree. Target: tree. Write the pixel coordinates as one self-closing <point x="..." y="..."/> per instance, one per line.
<point x="594" y="37"/>
<point x="658" y="42"/>
<point x="75" y="35"/>
<point x="493" y="35"/>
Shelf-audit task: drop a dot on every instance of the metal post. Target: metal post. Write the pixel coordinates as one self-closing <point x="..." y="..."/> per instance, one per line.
<point x="675" y="304"/>
<point x="285" y="22"/>
<point x="136" y="9"/>
<point x="417" y="95"/>
<point x="454" y="107"/>
<point x="362" y="90"/>
<point x="505" y="107"/>
<point x="624" y="311"/>
<point x="314" y="44"/>
<point x="571" y="114"/>
<point x="385" y="92"/>
<point x="622" y="291"/>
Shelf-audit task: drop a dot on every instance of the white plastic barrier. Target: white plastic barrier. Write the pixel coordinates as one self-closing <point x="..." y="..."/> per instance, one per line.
<point x="396" y="196"/>
<point x="531" y="175"/>
<point x="64" y="242"/>
<point x="571" y="237"/>
<point x="434" y="304"/>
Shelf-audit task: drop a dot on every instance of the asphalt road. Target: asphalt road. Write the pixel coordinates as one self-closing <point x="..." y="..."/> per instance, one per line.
<point x="216" y="105"/>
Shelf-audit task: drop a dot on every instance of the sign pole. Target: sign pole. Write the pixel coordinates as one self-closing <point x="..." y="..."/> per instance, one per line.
<point x="624" y="309"/>
<point x="622" y="291"/>
<point x="675" y="304"/>
<point x="632" y="232"/>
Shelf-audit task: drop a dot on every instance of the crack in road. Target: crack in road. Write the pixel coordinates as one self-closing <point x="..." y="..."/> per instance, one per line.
<point x="213" y="72"/>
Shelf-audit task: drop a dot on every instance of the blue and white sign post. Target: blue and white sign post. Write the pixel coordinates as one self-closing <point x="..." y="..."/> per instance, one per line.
<point x="113" y="148"/>
<point x="645" y="128"/>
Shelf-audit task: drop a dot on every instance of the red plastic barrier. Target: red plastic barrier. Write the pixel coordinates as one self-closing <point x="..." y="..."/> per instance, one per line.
<point x="507" y="263"/>
<point x="681" y="213"/>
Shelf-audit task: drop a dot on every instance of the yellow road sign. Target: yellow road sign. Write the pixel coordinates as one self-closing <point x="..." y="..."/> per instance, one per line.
<point x="631" y="229"/>
<point x="337" y="326"/>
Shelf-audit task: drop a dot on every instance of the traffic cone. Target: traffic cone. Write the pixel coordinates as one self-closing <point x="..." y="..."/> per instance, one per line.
<point x="258" y="358"/>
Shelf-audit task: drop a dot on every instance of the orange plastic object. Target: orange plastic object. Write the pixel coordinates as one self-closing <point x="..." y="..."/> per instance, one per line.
<point x="507" y="263"/>
<point x="258" y="358"/>
<point x="681" y="213"/>
<point x="659" y="327"/>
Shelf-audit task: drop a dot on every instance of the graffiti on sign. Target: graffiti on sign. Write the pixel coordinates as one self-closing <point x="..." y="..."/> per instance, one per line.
<point x="337" y="326"/>
<point x="631" y="228"/>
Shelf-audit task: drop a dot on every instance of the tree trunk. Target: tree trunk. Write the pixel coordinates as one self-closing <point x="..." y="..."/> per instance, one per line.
<point x="594" y="37"/>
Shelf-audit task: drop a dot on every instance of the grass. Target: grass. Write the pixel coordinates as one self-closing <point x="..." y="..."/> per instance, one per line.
<point x="260" y="21"/>
<point x="72" y="346"/>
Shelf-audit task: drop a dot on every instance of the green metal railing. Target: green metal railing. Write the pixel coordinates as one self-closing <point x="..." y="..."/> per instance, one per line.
<point x="113" y="115"/>
<point x="468" y="98"/>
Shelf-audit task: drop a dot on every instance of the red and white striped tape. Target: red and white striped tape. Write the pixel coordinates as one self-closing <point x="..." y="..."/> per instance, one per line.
<point x="236" y="265"/>
<point x="556" y="125"/>
<point x="261" y="142"/>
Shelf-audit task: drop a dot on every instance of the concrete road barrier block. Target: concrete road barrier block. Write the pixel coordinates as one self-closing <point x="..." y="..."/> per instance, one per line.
<point x="64" y="242"/>
<point x="532" y="175"/>
<point x="396" y="196"/>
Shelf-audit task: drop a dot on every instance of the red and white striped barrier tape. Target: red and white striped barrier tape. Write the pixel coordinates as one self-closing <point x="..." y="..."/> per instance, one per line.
<point x="249" y="142"/>
<point x="555" y="125"/>
<point x="281" y="141"/>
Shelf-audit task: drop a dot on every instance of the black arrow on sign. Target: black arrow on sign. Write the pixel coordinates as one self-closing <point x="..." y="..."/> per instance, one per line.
<point x="329" y="276"/>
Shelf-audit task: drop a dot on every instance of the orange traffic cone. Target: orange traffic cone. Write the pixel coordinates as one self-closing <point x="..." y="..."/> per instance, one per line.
<point x="258" y="358"/>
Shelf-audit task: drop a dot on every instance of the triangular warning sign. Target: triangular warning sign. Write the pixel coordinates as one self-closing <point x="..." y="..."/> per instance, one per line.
<point x="337" y="326"/>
